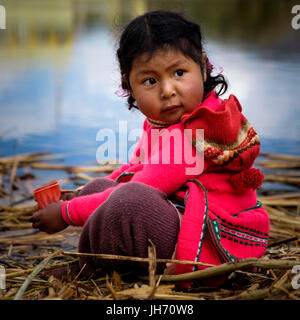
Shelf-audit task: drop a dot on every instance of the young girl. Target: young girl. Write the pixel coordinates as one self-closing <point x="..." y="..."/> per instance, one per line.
<point x="203" y="211"/>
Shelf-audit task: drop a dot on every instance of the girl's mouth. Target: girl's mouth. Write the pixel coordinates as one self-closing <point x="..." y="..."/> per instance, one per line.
<point x="170" y="108"/>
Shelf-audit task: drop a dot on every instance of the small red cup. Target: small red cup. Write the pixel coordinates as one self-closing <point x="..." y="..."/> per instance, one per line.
<point x="47" y="194"/>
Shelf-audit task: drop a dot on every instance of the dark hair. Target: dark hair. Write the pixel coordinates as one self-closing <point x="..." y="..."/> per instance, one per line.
<point x="158" y="30"/>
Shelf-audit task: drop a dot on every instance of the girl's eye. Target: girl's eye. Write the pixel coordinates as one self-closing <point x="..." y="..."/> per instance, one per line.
<point x="149" y="81"/>
<point x="179" y="73"/>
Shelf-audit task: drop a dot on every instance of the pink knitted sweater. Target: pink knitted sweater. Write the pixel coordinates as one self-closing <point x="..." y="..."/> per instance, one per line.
<point x="222" y="219"/>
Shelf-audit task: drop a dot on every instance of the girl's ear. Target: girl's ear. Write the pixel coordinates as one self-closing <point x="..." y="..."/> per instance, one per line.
<point x="204" y="74"/>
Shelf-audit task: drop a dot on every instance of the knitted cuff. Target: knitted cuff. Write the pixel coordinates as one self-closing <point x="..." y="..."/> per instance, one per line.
<point x="65" y="213"/>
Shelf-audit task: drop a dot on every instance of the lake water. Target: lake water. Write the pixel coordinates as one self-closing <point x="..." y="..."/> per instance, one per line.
<point x="59" y="75"/>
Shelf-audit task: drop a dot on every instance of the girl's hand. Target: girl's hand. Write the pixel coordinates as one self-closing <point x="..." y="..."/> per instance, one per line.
<point x="49" y="219"/>
<point x="68" y="195"/>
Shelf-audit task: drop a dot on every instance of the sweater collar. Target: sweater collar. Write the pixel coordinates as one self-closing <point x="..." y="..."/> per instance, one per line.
<point x="158" y="124"/>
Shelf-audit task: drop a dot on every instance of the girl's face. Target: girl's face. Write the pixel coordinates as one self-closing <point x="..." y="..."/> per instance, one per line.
<point x="167" y="85"/>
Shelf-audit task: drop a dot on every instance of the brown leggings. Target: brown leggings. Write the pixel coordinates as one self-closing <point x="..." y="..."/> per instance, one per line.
<point x="122" y="225"/>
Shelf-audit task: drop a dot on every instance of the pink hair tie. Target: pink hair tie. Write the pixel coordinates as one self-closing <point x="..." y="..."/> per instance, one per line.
<point x="209" y="66"/>
<point x="121" y="92"/>
<point x="213" y="69"/>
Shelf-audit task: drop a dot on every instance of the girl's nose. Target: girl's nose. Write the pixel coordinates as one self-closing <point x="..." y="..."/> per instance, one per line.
<point x="168" y="90"/>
